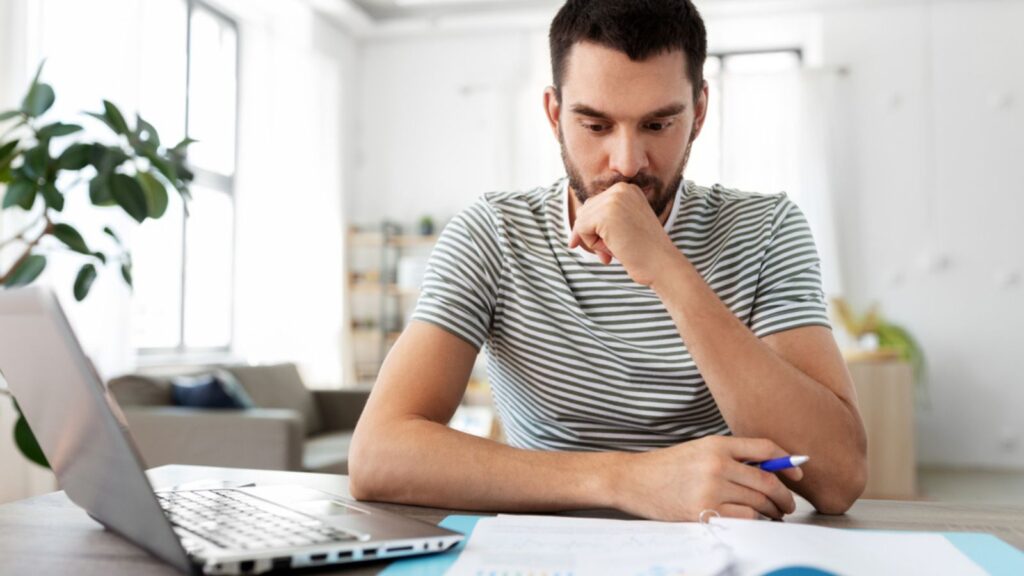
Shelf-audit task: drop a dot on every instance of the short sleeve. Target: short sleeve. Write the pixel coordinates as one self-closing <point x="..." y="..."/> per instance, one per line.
<point x="789" y="293"/>
<point x="460" y="287"/>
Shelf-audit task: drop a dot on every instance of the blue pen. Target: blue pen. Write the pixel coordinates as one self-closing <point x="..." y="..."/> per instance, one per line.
<point x="776" y="464"/>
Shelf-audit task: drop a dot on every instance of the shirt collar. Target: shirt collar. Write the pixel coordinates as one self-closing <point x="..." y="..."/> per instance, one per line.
<point x="587" y="256"/>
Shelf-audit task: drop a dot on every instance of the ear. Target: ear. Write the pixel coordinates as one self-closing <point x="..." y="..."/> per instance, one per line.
<point x="553" y="109"/>
<point x="700" y="112"/>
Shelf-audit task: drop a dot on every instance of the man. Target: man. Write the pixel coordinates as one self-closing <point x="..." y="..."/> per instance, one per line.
<point x="646" y="337"/>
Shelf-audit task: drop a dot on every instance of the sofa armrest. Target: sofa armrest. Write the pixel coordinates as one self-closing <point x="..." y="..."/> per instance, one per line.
<point x="255" y="438"/>
<point x="340" y="409"/>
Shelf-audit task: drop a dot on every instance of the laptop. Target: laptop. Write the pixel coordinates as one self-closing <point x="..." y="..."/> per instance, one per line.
<point x="231" y="530"/>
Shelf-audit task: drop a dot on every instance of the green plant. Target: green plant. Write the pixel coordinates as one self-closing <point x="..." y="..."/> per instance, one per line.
<point x="890" y="336"/>
<point x="128" y="170"/>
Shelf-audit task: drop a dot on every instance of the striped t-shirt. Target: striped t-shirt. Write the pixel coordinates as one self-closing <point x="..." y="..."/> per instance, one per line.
<point x="580" y="357"/>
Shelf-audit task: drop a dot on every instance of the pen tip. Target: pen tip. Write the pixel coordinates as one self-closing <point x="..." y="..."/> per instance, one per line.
<point x="798" y="460"/>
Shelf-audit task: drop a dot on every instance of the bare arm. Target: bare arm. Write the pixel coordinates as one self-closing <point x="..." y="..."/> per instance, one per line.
<point x="792" y="387"/>
<point x="404" y="452"/>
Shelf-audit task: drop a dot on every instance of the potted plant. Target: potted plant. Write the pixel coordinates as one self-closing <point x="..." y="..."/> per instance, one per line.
<point x="879" y="338"/>
<point x="130" y="172"/>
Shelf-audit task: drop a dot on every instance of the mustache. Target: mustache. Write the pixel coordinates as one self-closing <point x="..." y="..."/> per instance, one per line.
<point x="640" y="180"/>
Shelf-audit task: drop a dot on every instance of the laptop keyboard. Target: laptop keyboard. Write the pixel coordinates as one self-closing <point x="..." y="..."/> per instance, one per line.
<point x="235" y="519"/>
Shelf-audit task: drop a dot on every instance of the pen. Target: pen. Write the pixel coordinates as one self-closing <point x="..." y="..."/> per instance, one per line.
<point x="776" y="464"/>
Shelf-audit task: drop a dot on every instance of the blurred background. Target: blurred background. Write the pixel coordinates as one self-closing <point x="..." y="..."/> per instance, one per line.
<point x="336" y="138"/>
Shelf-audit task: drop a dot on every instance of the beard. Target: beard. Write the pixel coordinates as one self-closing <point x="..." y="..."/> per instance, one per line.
<point x="660" y="194"/>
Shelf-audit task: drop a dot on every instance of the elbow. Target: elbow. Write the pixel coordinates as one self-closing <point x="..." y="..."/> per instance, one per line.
<point x="364" y="479"/>
<point x="840" y="495"/>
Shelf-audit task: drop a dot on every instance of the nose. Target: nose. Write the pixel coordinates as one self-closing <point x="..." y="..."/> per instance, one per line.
<point x="628" y="155"/>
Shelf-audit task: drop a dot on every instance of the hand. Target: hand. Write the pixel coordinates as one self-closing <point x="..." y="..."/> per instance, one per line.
<point x="678" y="483"/>
<point x="619" y="223"/>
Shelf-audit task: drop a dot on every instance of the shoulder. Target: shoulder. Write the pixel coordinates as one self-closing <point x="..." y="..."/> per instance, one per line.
<point x="497" y="215"/>
<point x="507" y="211"/>
<point x="738" y="206"/>
<point x="520" y="204"/>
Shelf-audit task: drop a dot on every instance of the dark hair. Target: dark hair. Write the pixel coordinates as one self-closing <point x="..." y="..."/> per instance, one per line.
<point x="639" y="28"/>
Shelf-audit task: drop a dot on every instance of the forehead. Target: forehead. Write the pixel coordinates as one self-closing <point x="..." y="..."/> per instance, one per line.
<point x="607" y="79"/>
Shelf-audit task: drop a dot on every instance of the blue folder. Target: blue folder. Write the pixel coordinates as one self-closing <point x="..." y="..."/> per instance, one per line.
<point x="995" y="556"/>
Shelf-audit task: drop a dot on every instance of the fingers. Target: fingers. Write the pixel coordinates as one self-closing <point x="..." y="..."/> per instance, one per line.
<point x="741" y="495"/>
<point x="739" y="511"/>
<point x="592" y="243"/>
<point x="794" y="474"/>
<point x="753" y="449"/>
<point x="765" y="483"/>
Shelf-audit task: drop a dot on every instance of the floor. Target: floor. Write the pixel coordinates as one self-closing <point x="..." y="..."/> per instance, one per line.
<point x="965" y="485"/>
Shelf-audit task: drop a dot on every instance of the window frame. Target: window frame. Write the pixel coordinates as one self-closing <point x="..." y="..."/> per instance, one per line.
<point x="212" y="180"/>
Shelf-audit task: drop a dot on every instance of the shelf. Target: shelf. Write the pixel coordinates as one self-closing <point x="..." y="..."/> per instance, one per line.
<point x="365" y="287"/>
<point x="376" y="239"/>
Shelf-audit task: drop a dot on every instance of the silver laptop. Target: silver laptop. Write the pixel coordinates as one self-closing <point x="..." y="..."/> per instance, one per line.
<point x="213" y="531"/>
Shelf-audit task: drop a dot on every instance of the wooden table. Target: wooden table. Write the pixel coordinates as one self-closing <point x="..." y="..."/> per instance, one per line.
<point x="50" y="535"/>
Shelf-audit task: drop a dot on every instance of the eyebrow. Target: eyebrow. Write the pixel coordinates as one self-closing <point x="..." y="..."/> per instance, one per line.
<point x="663" y="112"/>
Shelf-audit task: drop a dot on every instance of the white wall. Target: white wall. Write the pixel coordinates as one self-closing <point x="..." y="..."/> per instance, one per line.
<point x="930" y="213"/>
<point x="444" y="118"/>
<point x="289" y="268"/>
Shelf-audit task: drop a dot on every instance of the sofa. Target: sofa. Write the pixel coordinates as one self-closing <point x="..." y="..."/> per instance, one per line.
<point x="290" y="428"/>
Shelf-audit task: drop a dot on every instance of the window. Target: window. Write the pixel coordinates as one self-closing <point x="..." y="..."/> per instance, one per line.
<point x="184" y="266"/>
<point x="748" y="140"/>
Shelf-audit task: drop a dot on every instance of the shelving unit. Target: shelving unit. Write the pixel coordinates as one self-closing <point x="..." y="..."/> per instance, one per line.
<point x="380" y="301"/>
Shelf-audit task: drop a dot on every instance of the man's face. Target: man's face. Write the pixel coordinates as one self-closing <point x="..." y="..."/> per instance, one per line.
<point x="625" y="121"/>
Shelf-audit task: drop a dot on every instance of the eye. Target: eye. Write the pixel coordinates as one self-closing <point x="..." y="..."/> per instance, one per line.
<point x="595" y="128"/>
<point x="658" y="126"/>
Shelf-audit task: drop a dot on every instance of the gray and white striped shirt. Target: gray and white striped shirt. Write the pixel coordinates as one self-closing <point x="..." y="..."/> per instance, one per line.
<point x="580" y="357"/>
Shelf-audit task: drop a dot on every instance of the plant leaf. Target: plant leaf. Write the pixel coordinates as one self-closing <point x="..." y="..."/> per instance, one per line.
<point x="115" y="117"/>
<point x="19" y="193"/>
<point x="156" y="194"/>
<point x="84" y="280"/>
<point x="146" y="132"/>
<point x="129" y="195"/>
<point x="27" y="443"/>
<point x="53" y="198"/>
<point x="36" y="159"/>
<point x="9" y="114"/>
<point x="100" y="256"/>
<point x="75" y="157"/>
<point x="39" y="99"/>
<point x="180" y="147"/>
<point x="57" y="129"/>
<point x="8" y="150"/>
<point x="99" y="191"/>
<point x="126" y="273"/>
<point x="109" y="232"/>
<point x="29" y="269"/>
<point x="71" y="238"/>
<point x="101" y="118"/>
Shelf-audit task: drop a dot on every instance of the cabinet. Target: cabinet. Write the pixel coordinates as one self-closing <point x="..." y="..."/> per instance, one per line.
<point x="885" y="395"/>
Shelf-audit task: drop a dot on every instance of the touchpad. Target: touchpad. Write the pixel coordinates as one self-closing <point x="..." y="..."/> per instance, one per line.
<point x="326" y="508"/>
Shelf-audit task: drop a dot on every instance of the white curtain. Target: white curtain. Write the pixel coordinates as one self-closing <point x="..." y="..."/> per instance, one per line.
<point x="778" y="134"/>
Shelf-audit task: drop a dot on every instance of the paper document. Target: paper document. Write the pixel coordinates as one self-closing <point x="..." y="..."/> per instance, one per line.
<point x="554" y="546"/>
<point x="550" y="546"/>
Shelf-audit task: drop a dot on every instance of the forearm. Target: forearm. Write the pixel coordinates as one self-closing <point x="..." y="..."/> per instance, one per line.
<point x="762" y="395"/>
<point x="417" y="461"/>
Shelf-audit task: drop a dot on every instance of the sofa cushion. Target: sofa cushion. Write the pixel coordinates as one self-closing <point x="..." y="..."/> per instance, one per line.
<point x="327" y="453"/>
<point x="135" y="390"/>
<point x="279" y="386"/>
<point x="219" y="390"/>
